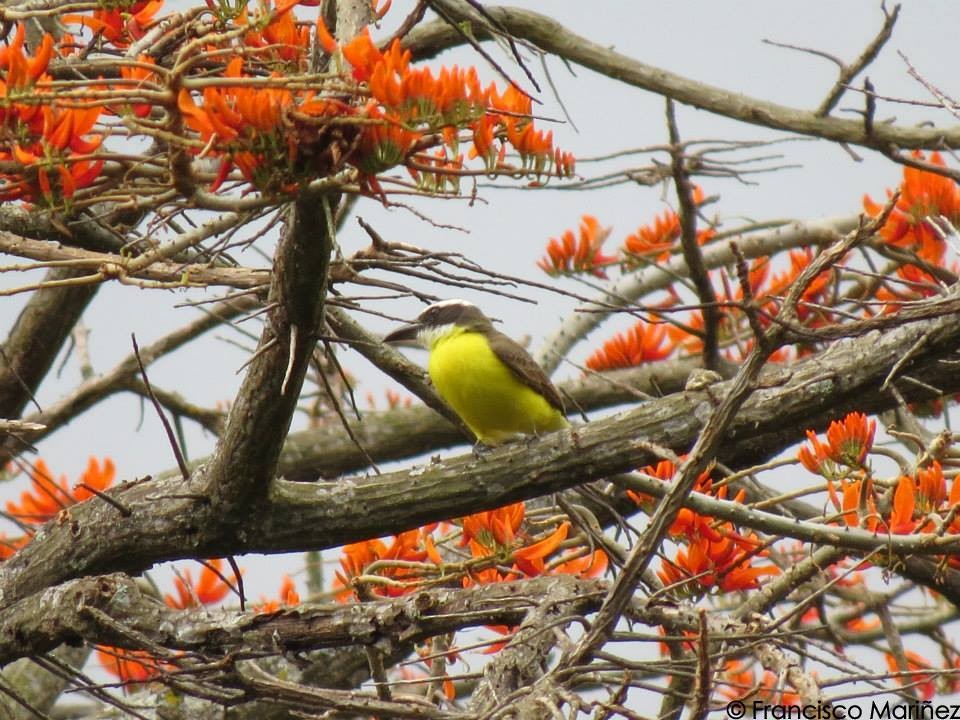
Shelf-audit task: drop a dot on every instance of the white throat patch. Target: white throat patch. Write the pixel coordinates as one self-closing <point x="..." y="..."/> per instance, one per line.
<point x="430" y="335"/>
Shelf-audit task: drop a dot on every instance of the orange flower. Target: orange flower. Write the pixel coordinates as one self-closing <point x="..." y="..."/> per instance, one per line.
<point x="923" y="195"/>
<point x="281" y="37"/>
<point x="851" y="440"/>
<point x="570" y="255"/>
<point x="850" y="502"/>
<point x="642" y="343"/>
<point x="407" y="547"/>
<point x="918" y="673"/>
<point x="816" y="457"/>
<point x="916" y="285"/>
<point x="385" y="144"/>
<point x="23" y="71"/>
<point x="659" y="239"/>
<point x="494" y="529"/>
<point x="715" y="564"/>
<point x="932" y="486"/>
<point x="210" y="588"/>
<point x="688" y="524"/>
<point x="529" y="559"/>
<point x="48" y="497"/>
<point x="8" y="546"/>
<point x="288" y="597"/>
<point x="496" y="534"/>
<point x="119" y="25"/>
<point x="584" y="565"/>
<point x="816" y="292"/>
<point x="364" y="56"/>
<point x="848" y="443"/>
<point x="739" y="683"/>
<point x="901" y="521"/>
<point x="860" y="624"/>
<point x="143" y="77"/>
<point x="737" y="679"/>
<point x="130" y="666"/>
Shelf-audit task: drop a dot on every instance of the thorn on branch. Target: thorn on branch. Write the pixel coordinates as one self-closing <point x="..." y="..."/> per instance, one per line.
<point x="870" y="107"/>
<point x="121" y="508"/>
<point x="749" y="308"/>
<point x="171" y="437"/>
<point x="239" y="578"/>
<point x="691" y="249"/>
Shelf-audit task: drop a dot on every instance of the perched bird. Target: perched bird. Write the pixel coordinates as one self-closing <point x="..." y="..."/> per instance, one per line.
<point x="491" y="382"/>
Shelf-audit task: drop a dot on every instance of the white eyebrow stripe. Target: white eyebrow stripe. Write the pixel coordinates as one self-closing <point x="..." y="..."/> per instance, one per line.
<point x="449" y="303"/>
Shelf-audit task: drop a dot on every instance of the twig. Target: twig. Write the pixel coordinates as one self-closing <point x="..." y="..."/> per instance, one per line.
<point x="691" y="248"/>
<point x="171" y="437"/>
<point x="869" y="54"/>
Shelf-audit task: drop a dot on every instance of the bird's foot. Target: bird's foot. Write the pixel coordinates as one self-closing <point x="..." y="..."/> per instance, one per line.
<point x="480" y="449"/>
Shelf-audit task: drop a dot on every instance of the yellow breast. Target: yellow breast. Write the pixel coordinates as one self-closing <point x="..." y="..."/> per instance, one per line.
<point x="483" y="391"/>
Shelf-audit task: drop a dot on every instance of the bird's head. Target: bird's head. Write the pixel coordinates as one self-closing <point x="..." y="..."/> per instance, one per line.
<point x="439" y="320"/>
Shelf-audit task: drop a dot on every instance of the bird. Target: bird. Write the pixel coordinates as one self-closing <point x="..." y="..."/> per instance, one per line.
<point x="488" y="379"/>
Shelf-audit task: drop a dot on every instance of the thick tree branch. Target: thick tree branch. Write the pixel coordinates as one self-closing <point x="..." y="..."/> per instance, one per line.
<point x="238" y="475"/>
<point x="113" y="610"/>
<point x="37" y="337"/>
<point x="328" y="451"/>
<point x="165" y="520"/>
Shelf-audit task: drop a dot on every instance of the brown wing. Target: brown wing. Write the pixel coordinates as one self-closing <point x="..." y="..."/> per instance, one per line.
<point x="524" y="367"/>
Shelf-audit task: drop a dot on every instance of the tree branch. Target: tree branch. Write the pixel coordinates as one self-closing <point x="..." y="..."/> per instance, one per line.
<point x="167" y="521"/>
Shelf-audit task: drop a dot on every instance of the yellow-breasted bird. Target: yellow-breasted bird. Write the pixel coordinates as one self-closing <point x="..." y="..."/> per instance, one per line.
<point x="489" y="380"/>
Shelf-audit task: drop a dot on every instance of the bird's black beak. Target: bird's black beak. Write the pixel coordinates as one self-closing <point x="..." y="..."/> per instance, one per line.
<point x="404" y="333"/>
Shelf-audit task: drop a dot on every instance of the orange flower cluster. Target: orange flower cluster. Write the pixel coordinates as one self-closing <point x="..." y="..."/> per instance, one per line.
<point x="716" y="555"/>
<point x="926" y="200"/>
<point x="496" y="535"/>
<point x="767" y="291"/>
<point x="916" y="498"/>
<point x="661" y="238"/>
<point x="924" y="196"/>
<point x="570" y="255"/>
<point x="399" y="564"/>
<point x="499" y="549"/>
<point x="657" y="241"/>
<point x="47" y="142"/>
<point x="919" y="674"/>
<point x="119" y="23"/>
<point x="738" y="681"/>
<point x="644" y="342"/>
<point x="413" y="103"/>
<point x="131" y="667"/>
<point x="210" y="588"/>
<point x="848" y="443"/>
<point x="286" y="597"/>
<point x="279" y="137"/>
<point x="815" y="295"/>
<point x="47" y="497"/>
